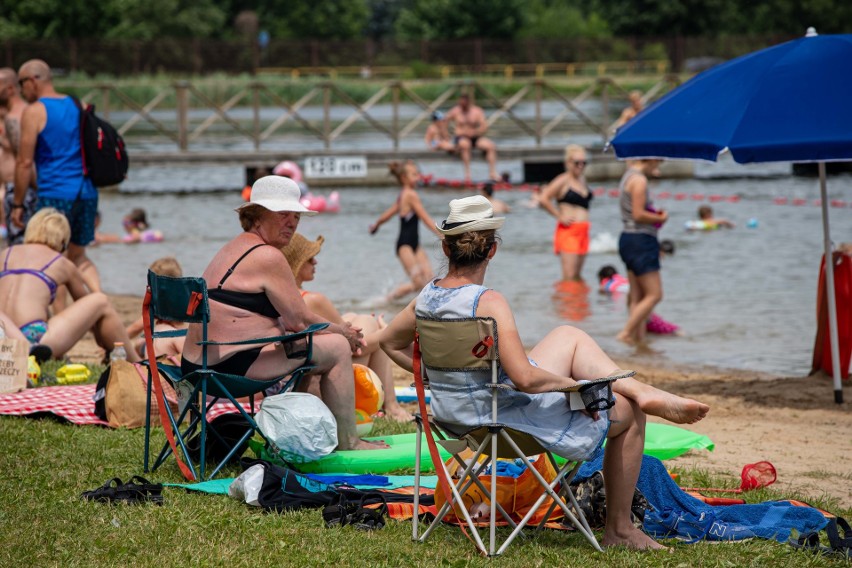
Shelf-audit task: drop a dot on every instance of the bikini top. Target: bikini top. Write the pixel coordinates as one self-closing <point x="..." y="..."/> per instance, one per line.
<point x="572" y="197"/>
<point x="255" y="302"/>
<point x="38" y="273"/>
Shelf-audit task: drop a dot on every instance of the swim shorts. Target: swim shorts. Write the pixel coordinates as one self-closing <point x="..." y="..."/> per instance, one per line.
<point x="572" y="239"/>
<point x="640" y="252"/>
<point x="15" y="234"/>
<point x="34" y="330"/>
<point x="81" y="215"/>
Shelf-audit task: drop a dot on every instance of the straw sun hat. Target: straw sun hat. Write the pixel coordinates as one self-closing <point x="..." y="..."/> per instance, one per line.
<point x="470" y="214"/>
<point x="278" y="194"/>
<point x="301" y="250"/>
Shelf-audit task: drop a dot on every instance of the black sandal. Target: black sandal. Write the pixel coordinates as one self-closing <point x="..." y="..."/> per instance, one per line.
<point x="368" y="518"/>
<point x="105" y="493"/>
<point x="339" y="512"/>
<point x="140" y="490"/>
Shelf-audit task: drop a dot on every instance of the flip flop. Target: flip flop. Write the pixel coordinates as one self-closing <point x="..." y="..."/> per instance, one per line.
<point x="339" y="512"/>
<point x="368" y="518"/>
<point x="810" y="543"/>
<point x="105" y="493"/>
<point x="840" y="545"/>
<point x="140" y="490"/>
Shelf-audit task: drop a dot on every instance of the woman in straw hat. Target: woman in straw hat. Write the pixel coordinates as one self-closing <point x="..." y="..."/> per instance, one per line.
<point x="301" y="256"/>
<point x="254" y="294"/>
<point x="410" y="211"/>
<point x="566" y="355"/>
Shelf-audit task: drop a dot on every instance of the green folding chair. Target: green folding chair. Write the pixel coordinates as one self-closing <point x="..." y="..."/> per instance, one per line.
<point x="185" y="300"/>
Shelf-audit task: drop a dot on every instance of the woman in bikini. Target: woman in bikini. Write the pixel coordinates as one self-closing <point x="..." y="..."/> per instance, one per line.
<point x="411" y="211"/>
<point x="301" y="256"/>
<point x="567" y="198"/>
<point x="31" y="274"/>
<point x="253" y="294"/>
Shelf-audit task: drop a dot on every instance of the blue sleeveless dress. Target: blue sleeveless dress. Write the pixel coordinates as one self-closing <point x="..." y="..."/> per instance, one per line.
<point x="461" y="397"/>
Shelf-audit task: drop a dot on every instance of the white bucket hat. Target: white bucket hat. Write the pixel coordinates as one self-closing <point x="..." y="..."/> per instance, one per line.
<point x="278" y="194"/>
<point x="470" y="214"/>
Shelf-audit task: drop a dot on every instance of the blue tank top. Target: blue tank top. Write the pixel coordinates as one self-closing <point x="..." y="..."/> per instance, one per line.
<point x="58" y="160"/>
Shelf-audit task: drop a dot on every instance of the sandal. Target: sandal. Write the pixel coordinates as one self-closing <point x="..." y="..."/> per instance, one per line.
<point x="339" y="512"/>
<point x="368" y="518"/>
<point x="140" y="490"/>
<point x="105" y="493"/>
<point x="810" y="543"/>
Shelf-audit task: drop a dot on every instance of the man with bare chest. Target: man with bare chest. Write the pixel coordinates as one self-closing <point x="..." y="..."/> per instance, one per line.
<point x="469" y="128"/>
<point x="11" y="108"/>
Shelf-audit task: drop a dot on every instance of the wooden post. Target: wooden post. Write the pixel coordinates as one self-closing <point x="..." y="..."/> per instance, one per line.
<point x="255" y="108"/>
<point x="395" y="127"/>
<point x="605" y="121"/>
<point x="538" y="90"/>
<point x="326" y="115"/>
<point x="182" y="97"/>
<point x="104" y="110"/>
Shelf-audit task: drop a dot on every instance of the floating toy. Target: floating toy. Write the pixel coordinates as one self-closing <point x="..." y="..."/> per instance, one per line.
<point x="146" y="236"/>
<point x="698" y="225"/>
<point x="321" y="204"/>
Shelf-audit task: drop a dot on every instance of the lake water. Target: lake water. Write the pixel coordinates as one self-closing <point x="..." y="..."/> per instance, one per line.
<point x="745" y="298"/>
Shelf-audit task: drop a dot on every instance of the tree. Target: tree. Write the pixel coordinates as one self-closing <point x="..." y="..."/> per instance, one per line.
<point x="458" y="19"/>
<point x="664" y="17"/>
<point x="313" y="19"/>
<point x="152" y="19"/>
<point x="560" y="19"/>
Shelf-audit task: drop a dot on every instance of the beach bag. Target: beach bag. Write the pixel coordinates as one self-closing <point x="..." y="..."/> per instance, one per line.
<point x="125" y="392"/>
<point x="13" y="364"/>
<point x="105" y="160"/>
<point x="515" y="494"/>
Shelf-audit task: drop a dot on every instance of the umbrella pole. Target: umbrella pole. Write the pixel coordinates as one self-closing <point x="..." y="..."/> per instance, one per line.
<point x="829" y="287"/>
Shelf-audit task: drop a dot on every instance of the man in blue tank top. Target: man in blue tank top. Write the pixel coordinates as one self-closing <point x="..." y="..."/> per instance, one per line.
<point x="50" y="139"/>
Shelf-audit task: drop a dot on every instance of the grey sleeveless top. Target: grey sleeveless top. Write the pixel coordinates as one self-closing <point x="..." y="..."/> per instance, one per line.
<point x="626" y="205"/>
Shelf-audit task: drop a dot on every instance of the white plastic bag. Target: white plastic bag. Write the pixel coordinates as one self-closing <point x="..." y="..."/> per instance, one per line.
<point x="299" y="426"/>
<point x="247" y="486"/>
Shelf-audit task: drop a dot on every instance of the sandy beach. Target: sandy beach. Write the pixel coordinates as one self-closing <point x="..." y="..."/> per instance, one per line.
<point x="791" y="422"/>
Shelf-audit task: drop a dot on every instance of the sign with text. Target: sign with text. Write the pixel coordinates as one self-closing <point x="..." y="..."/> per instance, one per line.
<point x="13" y="365"/>
<point x="335" y="166"/>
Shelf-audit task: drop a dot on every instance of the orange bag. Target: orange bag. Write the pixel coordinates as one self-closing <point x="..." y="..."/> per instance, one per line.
<point x="515" y="494"/>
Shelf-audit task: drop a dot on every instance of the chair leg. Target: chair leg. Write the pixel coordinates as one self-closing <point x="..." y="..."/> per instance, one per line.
<point x="548" y="492"/>
<point x="415" y="519"/>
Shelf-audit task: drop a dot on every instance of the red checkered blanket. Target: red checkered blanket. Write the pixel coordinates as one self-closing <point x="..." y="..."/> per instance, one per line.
<point x="73" y="403"/>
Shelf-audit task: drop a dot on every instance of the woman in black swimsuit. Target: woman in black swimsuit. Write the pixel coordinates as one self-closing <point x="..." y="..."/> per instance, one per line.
<point x="253" y="294"/>
<point x="411" y="211"/>
<point x="567" y="198"/>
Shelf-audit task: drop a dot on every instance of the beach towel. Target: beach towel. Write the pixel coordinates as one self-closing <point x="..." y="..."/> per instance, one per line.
<point x="676" y="514"/>
<point x="73" y="403"/>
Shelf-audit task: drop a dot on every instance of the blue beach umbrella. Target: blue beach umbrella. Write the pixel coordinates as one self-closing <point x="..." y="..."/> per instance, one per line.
<point x="787" y="103"/>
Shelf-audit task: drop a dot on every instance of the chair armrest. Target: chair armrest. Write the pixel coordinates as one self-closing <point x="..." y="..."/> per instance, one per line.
<point x="574" y="388"/>
<point x="169" y="333"/>
<point x="265" y="340"/>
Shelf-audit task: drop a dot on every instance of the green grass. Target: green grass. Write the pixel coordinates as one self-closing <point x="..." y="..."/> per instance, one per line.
<point x="45" y="466"/>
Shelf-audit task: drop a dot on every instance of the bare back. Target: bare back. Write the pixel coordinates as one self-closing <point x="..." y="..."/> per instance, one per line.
<point x="30" y="273"/>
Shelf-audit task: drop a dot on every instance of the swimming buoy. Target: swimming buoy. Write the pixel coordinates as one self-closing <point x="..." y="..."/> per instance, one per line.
<point x="288" y="169"/>
<point x="698" y="225"/>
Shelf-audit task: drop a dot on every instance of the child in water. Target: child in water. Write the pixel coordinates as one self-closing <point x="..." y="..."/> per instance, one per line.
<point x="613" y="284"/>
<point x="137" y="229"/>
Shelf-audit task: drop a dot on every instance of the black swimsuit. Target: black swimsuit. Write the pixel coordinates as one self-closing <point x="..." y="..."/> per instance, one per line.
<point x="409" y="235"/>
<point x="572" y="197"/>
<point x="255" y="302"/>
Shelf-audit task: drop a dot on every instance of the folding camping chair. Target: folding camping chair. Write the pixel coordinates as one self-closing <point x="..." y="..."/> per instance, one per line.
<point x="185" y="300"/>
<point x="470" y="344"/>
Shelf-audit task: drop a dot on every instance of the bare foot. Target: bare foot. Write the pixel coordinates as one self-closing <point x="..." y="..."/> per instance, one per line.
<point x="633" y="539"/>
<point x="369" y="445"/>
<point x="398" y="414"/>
<point x="625" y="338"/>
<point x="673" y="408"/>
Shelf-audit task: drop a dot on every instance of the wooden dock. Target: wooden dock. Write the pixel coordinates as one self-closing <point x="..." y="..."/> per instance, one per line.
<point x="370" y="167"/>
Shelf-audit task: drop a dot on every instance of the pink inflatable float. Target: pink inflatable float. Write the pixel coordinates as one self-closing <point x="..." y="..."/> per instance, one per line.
<point x="318" y="203"/>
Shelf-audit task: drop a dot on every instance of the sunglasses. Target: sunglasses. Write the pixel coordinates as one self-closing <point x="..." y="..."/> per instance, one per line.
<point x="579" y="162"/>
<point x="23" y="80"/>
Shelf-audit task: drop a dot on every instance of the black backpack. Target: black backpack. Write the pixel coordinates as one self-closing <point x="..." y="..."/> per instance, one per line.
<point x="105" y="159"/>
